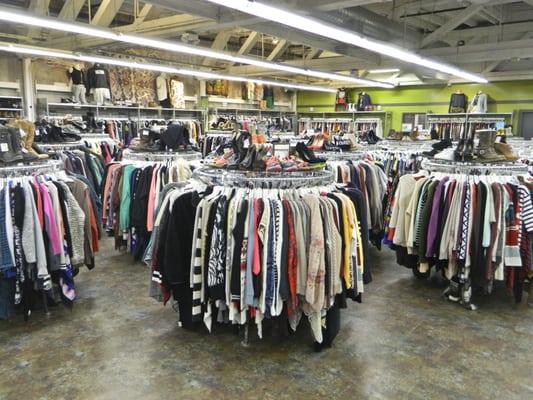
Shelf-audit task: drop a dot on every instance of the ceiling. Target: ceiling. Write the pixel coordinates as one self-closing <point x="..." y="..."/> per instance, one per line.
<point x="492" y="38"/>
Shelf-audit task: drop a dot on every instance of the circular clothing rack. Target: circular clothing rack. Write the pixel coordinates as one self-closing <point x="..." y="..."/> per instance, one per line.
<point x="130" y="155"/>
<point x="341" y="155"/>
<point x="61" y="146"/>
<point x="473" y="168"/>
<point x="267" y="180"/>
<point x="41" y="167"/>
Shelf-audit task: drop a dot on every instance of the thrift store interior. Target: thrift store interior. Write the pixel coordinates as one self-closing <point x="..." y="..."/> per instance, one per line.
<point x="290" y="199"/>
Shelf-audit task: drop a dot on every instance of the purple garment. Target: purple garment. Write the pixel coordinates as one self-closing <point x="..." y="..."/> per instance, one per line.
<point x="434" y="218"/>
<point x="50" y="220"/>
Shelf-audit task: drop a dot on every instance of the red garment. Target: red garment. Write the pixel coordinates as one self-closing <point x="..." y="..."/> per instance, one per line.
<point x="258" y="213"/>
<point x="292" y="261"/>
<point x="39" y="204"/>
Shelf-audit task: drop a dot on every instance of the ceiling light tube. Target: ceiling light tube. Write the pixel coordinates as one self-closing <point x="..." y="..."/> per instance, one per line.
<point x="40" y="52"/>
<point x="383" y="71"/>
<point x="103" y="33"/>
<point x="329" y="31"/>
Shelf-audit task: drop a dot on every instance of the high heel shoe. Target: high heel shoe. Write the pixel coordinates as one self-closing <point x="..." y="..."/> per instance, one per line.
<point x="307" y="154"/>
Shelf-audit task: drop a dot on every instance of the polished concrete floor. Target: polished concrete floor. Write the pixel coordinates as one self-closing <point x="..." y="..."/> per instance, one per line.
<point x="404" y="342"/>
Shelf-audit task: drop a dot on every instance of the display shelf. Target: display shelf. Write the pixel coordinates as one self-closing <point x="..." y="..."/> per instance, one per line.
<point x="116" y="112"/>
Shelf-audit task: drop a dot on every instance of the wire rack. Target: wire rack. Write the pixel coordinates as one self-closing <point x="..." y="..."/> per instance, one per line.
<point x="449" y="167"/>
<point x="155" y="156"/>
<point x="42" y="167"/>
<point x="268" y="180"/>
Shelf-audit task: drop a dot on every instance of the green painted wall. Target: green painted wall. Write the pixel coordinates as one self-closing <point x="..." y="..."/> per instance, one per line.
<point x="502" y="97"/>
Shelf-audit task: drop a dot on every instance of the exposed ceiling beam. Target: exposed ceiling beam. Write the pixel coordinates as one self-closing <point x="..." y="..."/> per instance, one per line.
<point x="483" y="52"/>
<point x="322" y="5"/>
<point x="221" y="40"/>
<point x="39" y="7"/>
<point x="493" y="65"/>
<point x="340" y="63"/>
<point x="291" y="35"/>
<point x="278" y="51"/>
<point x="71" y="9"/>
<point x="530" y="2"/>
<point x="451" y="24"/>
<point x="145" y="11"/>
<point x="106" y="12"/>
<point x="490" y="30"/>
<point x="313" y="54"/>
<point x="249" y="43"/>
<point x="160" y="27"/>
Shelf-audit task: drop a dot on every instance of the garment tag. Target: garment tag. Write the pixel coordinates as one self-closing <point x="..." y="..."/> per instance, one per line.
<point x="22" y="133"/>
<point x="246" y="143"/>
<point x="4" y="147"/>
<point x="145" y="132"/>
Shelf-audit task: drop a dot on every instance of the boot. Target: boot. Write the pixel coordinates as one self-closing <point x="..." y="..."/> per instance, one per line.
<point x="27" y="141"/>
<point x="10" y="147"/>
<point x="485" y="149"/>
<point x="460" y="150"/>
<point x="506" y="150"/>
<point x="17" y="142"/>
<point x="468" y="150"/>
<point x="437" y="147"/>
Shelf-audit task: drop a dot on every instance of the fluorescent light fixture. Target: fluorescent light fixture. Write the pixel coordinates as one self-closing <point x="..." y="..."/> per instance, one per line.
<point x="329" y="31"/>
<point x="102" y="33"/>
<point x="383" y="71"/>
<point x="40" y="52"/>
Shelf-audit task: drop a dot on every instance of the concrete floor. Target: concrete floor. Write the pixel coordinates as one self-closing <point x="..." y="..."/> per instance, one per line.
<point x="403" y="342"/>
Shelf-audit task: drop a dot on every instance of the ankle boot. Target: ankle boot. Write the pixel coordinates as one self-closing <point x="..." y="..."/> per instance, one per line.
<point x="506" y="150"/>
<point x="485" y="150"/>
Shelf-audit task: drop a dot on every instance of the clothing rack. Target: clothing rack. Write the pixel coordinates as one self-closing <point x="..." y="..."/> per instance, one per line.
<point x="341" y="155"/>
<point x="129" y="155"/>
<point x="248" y="179"/>
<point x="510" y="169"/>
<point x="47" y="167"/>
<point x="61" y="146"/>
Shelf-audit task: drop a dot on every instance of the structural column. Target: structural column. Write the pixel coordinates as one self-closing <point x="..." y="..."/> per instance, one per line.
<point x="28" y="89"/>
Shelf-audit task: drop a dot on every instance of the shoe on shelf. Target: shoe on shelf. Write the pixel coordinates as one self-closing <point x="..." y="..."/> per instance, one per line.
<point x="307" y="154"/>
<point x="8" y="153"/>
<point x="506" y="150"/>
<point x="446" y="154"/>
<point x="273" y="165"/>
<point x="439" y="146"/>
<point x="485" y="149"/>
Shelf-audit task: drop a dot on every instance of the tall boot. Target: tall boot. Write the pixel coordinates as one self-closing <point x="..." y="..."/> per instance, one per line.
<point x="485" y="149"/>
<point x="10" y="147"/>
<point x="28" y="127"/>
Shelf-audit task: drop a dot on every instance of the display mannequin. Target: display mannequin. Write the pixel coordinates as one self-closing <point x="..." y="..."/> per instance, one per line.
<point x="161" y="84"/>
<point x="364" y="102"/>
<point x="77" y="78"/>
<point x="479" y="103"/>
<point x="458" y="102"/>
<point x="340" y="100"/>
<point x="98" y="83"/>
